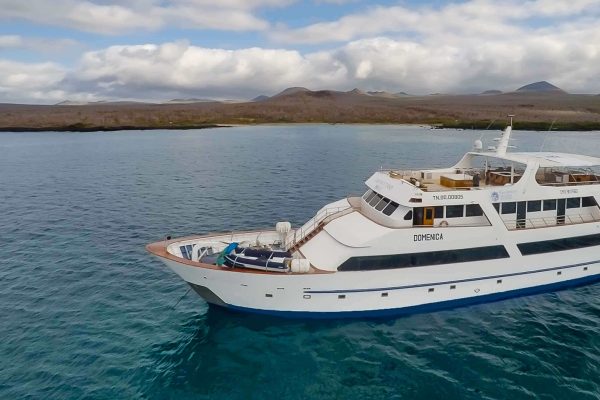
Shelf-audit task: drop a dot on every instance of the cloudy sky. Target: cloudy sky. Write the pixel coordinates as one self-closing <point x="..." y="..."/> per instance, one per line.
<point x="53" y="50"/>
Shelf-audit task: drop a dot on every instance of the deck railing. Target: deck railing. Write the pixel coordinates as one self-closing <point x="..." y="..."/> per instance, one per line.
<point x="544" y="222"/>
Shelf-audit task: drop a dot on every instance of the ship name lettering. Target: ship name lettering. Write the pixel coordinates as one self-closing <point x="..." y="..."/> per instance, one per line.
<point x="422" y="237"/>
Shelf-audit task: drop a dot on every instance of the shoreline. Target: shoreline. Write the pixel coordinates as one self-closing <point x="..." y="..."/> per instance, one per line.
<point x="82" y="129"/>
<point x="476" y="125"/>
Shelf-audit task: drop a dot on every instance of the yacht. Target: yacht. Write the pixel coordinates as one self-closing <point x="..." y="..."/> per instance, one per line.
<point x="496" y="225"/>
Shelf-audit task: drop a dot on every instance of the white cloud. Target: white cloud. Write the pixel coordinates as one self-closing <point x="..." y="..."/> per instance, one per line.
<point x="475" y="17"/>
<point x="569" y="59"/>
<point x="159" y="70"/>
<point x="113" y="17"/>
<point x="26" y="82"/>
<point x="460" y="48"/>
<point x="35" y="43"/>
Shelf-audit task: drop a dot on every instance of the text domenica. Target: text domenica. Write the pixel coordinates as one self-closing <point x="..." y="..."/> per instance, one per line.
<point x="428" y="236"/>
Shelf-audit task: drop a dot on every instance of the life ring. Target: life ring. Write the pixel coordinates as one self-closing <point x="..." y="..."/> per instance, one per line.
<point x="444" y="223"/>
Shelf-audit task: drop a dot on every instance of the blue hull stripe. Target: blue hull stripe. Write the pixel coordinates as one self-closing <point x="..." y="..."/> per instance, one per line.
<point x="425" y="307"/>
<point x="451" y="282"/>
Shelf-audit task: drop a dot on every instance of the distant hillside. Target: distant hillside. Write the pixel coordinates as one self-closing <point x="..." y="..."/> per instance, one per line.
<point x="540" y="87"/>
<point x="491" y="92"/>
<point x="187" y="101"/>
<point x="384" y="94"/>
<point x="290" y="91"/>
<point x="357" y="91"/>
<point x="261" y="97"/>
<point x="533" y="109"/>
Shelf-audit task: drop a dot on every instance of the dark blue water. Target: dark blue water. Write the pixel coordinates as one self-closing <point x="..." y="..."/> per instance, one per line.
<point x="85" y="312"/>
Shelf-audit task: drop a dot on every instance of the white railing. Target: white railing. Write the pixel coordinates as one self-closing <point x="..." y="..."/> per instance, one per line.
<point x="298" y="234"/>
<point x="544" y="222"/>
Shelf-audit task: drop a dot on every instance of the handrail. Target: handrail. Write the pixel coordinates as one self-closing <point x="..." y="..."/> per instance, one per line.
<point x="311" y="225"/>
<point x="544" y="222"/>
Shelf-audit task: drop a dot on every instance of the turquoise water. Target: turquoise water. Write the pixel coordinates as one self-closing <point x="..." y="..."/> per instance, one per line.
<point x="86" y="313"/>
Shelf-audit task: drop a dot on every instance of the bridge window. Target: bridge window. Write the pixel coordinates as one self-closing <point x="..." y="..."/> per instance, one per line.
<point x="376" y="199"/>
<point x="369" y="195"/>
<point x="391" y="207"/>
<point x="380" y="206"/>
<point x="438" y="212"/>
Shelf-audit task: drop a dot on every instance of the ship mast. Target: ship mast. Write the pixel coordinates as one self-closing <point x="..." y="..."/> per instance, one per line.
<point x="504" y="140"/>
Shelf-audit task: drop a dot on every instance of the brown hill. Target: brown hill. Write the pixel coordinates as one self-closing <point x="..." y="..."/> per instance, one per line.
<point x="533" y="110"/>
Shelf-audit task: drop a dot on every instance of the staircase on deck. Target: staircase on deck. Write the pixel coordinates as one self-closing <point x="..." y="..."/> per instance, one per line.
<point x="316" y="224"/>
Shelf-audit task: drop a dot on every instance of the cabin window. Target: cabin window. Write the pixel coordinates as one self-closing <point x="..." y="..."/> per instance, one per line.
<point x="381" y="205"/>
<point x="497" y="206"/>
<point x="509" y="208"/>
<point x="455" y="211"/>
<point x="589" y="201"/>
<point x="438" y="212"/>
<point x="574" y="202"/>
<point x="533" y="206"/>
<point x="391" y="207"/>
<point x="473" y="210"/>
<point x="549" y="205"/>
<point x="408" y="216"/>
<point x="365" y="263"/>
<point x="376" y="199"/>
<point x="549" y="246"/>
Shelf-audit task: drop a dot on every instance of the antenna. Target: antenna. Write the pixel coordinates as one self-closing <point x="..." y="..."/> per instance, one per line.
<point x="511" y="119"/>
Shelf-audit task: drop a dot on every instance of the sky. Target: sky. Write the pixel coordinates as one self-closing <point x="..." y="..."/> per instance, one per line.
<point x="156" y="50"/>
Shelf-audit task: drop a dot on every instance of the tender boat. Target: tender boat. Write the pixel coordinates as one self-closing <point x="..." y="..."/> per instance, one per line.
<point x="496" y="225"/>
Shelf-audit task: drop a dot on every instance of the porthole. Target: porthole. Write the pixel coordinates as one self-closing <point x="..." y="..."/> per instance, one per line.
<point x="384" y="294"/>
<point x="559" y="273"/>
<point x="431" y="289"/>
<point x="499" y="281"/>
<point x="585" y="268"/>
<point x="452" y="287"/>
<point x="341" y="296"/>
<point x="268" y="295"/>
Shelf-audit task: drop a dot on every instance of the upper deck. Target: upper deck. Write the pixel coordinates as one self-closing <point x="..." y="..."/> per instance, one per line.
<point x="479" y="170"/>
<point x="511" y="186"/>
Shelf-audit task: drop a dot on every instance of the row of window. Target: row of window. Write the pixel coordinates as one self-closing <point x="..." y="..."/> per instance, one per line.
<point x="549" y="246"/>
<point x="380" y="203"/>
<point x="369" y="263"/>
<point x="459" y="211"/>
<point x="546" y="205"/>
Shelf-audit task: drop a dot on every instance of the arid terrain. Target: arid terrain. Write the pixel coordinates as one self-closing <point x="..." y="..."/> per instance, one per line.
<point x="533" y="110"/>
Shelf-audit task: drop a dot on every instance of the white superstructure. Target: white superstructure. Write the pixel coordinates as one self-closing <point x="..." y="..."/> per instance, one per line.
<point x="498" y="224"/>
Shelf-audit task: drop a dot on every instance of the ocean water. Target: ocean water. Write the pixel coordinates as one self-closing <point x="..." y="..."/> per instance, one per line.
<point x="86" y="313"/>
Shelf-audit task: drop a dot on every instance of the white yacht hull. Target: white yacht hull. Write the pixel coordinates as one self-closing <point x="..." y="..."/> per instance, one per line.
<point x="401" y="291"/>
<point x="493" y="226"/>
